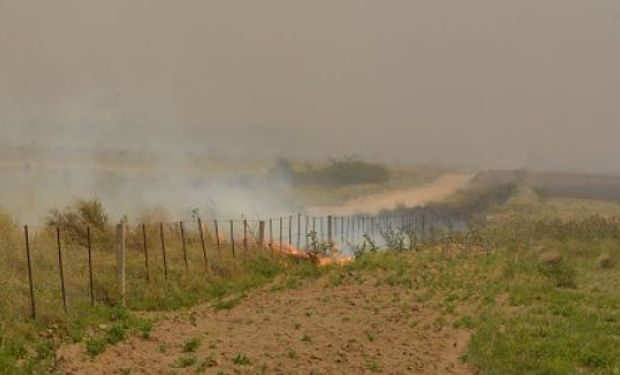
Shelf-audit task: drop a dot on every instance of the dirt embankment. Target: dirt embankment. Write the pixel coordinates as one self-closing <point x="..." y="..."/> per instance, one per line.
<point x="372" y="204"/>
<point x="353" y="328"/>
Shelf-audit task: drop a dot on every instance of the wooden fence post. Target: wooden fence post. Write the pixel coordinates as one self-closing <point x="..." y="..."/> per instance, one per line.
<point x="298" y="231"/>
<point x="271" y="234"/>
<point x="217" y="235"/>
<point x="184" y="246"/>
<point x="307" y="228"/>
<point x="245" y="235"/>
<point x="290" y="230"/>
<point x="91" y="285"/>
<point x="202" y="243"/>
<point x="61" y="271"/>
<point x="232" y="237"/>
<point x="146" y="254"/>
<point x="330" y="235"/>
<point x="162" y="240"/>
<point x="33" y="310"/>
<point x="281" y="233"/>
<point x="261" y="235"/>
<point x="121" y="255"/>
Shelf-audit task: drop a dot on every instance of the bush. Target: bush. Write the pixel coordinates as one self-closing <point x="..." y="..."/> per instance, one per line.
<point x="75" y="220"/>
<point x="563" y="274"/>
<point x="347" y="171"/>
<point x="605" y="260"/>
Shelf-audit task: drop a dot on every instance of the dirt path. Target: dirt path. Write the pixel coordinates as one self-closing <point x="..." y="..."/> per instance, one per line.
<point x="372" y="204"/>
<point x="317" y="329"/>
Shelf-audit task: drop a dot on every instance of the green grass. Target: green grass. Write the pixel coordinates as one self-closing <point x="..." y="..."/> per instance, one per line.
<point x="525" y="317"/>
<point x="24" y="349"/>
<point x="191" y="345"/>
<point x="548" y="328"/>
<point x="185" y="361"/>
<point x="241" y="360"/>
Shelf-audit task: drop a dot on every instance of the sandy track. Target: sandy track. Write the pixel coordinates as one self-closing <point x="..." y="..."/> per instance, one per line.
<point x="372" y="204"/>
<point x="350" y="329"/>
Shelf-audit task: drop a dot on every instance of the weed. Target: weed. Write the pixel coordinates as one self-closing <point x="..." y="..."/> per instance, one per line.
<point x="373" y="366"/>
<point x="95" y="346"/>
<point x="191" y="345"/>
<point x="144" y="326"/>
<point x="563" y="274"/>
<point x="241" y="360"/>
<point x="185" y="361"/>
<point x="465" y="321"/>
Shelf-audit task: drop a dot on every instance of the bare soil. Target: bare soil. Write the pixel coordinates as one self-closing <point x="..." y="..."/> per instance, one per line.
<point x="355" y="328"/>
<point x="439" y="189"/>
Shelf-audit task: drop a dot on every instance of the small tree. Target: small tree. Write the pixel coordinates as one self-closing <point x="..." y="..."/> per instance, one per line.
<point x="75" y="219"/>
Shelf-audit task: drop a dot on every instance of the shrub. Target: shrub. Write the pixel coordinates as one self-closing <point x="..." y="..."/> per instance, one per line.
<point x="190" y="346"/>
<point x="184" y="362"/>
<point x="605" y="260"/>
<point x="75" y="220"/>
<point x="346" y="171"/>
<point x="563" y="274"/>
<point x="241" y="359"/>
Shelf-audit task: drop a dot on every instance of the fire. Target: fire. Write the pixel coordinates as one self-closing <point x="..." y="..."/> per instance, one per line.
<point x="322" y="260"/>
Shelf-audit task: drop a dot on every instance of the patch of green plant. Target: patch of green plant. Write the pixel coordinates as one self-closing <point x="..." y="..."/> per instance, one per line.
<point x="292" y="354"/>
<point x="241" y="360"/>
<point x="562" y="274"/>
<point x="185" y="361"/>
<point x="465" y="321"/>
<point x="191" y="345"/>
<point x="373" y="366"/>
<point x="144" y="326"/>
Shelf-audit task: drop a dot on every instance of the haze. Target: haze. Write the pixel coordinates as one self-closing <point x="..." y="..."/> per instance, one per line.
<point x="480" y="82"/>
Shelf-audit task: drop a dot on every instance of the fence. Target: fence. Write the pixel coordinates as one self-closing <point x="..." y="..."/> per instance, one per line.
<point x="76" y="266"/>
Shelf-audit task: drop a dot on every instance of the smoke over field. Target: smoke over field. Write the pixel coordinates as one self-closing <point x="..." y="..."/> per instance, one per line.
<point x="318" y="186"/>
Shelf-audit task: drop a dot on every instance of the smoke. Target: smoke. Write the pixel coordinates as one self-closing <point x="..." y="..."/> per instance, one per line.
<point x="134" y="102"/>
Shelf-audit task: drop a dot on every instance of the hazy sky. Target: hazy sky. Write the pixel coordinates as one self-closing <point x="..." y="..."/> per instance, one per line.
<point x="493" y="82"/>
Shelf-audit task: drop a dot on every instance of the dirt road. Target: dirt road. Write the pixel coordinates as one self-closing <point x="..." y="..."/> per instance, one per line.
<point x="372" y="204"/>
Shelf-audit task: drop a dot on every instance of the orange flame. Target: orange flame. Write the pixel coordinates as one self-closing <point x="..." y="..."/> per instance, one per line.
<point x="322" y="260"/>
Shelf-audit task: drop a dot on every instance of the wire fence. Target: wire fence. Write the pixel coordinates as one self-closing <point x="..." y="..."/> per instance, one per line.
<point x="62" y="268"/>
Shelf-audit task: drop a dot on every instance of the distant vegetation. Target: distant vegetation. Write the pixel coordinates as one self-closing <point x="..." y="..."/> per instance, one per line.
<point x="565" y="185"/>
<point x="465" y="204"/>
<point x="346" y="171"/>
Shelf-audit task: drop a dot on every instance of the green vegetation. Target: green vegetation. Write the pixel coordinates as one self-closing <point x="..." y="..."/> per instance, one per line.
<point x="346" y="171"/>
<point x="28" y="346"/>
<point x="536" y="285"/>
<point x="191" y="345"/>
<point x="528" y="313"/>
<point x="185" y="361"/>
<point x="241" y="360"/>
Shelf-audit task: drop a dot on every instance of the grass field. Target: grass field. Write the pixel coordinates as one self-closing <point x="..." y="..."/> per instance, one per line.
<point x="535" y="290"/>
